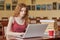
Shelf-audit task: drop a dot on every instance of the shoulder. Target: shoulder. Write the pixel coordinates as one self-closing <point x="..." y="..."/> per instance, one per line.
<point x="11" y="18"/>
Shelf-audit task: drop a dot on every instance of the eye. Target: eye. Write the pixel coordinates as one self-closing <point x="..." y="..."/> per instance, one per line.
<point x="21" y="10"/>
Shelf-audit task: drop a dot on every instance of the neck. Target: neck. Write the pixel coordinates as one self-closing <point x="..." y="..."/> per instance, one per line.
<point x="20" y="18"/>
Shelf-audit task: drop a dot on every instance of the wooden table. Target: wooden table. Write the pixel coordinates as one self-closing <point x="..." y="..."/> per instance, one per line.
<point x="39" y="38"/>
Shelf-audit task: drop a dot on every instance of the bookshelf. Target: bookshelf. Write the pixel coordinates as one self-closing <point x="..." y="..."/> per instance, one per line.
<point x="2" y="4"/>
<point x="14" y="4"/>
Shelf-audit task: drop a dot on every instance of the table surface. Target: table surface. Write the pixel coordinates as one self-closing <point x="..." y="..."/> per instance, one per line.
<point x="39" y="38"/>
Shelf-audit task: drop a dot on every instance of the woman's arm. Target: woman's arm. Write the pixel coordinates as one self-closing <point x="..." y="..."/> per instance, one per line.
<point x="9" y="24"/>
<point x="9" y="32"/>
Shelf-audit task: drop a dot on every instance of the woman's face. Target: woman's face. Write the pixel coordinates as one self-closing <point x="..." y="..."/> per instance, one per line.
<point x="22" y="12"/>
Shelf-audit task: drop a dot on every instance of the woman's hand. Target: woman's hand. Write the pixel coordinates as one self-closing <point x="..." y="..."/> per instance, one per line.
<point x="15" y="34"/>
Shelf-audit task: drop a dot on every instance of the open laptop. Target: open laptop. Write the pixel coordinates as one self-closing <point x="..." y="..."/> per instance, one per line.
<point x="34" y="30"/>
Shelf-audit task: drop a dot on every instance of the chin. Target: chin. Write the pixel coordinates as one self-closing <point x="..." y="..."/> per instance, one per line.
<point x="22" y="16"/>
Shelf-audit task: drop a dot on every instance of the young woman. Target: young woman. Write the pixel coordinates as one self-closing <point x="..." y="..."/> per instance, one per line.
<point x="18" y="22"/>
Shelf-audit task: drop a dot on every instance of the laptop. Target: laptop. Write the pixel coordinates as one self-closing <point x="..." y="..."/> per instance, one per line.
<point x="34" y="30"/>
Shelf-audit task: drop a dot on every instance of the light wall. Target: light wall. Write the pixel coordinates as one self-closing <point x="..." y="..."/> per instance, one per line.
<point x="8" y="13"/>
<point x="44" y="13"/>
<point x="40" y="13"/>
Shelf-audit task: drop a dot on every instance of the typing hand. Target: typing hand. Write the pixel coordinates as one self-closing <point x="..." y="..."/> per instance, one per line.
<point x="21" y="34"/>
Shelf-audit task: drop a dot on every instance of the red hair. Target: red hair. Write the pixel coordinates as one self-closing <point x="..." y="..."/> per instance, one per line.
<point x="18" y="8"/>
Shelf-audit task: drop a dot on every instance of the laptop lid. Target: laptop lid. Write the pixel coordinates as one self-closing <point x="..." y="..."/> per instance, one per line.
<point x="35" y="30"/>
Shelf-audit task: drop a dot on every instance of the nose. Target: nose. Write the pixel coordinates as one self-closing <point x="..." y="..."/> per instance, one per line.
<point x="23" y="12"/>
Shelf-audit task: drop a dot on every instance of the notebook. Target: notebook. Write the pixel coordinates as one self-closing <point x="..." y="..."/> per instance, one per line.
<point x="34" y="30"/>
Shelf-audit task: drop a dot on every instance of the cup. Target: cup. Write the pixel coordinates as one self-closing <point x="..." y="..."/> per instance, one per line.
<point x="51" y="33"/>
